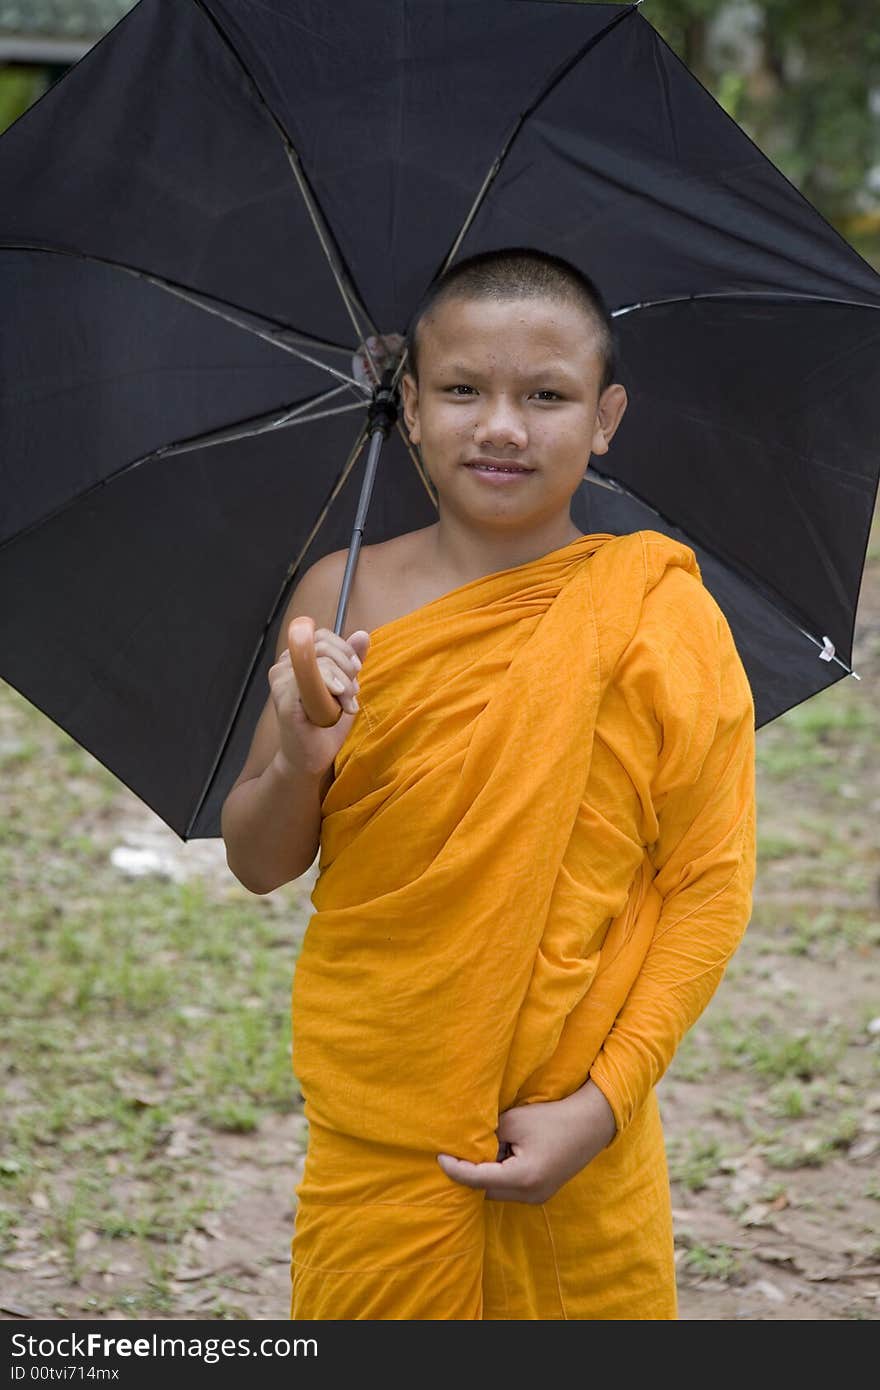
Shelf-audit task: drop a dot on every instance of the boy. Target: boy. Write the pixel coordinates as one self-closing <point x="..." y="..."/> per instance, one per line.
<point x="537" y="838"/>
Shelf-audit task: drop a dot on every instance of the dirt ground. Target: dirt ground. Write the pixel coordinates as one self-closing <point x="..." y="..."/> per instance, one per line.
<point x="771" y="1108"/>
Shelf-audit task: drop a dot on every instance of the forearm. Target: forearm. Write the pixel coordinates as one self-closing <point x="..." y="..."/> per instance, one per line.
<point x="698" y="932"/>
<point x="271" y="825"/>
<point x="594" y="1117"/>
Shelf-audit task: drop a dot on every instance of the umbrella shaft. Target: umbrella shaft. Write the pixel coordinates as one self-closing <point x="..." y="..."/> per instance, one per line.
<point x="376" y="441"/>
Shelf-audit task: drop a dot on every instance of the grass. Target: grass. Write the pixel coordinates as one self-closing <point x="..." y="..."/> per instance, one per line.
<point x="818" y="744"/>
<point x="130" y="1004"/>
<point x="713" y="1262"/>
<point x="694" y="1160"/>
<point x="809" y="1150"/>
<point x="775" y="1053"/>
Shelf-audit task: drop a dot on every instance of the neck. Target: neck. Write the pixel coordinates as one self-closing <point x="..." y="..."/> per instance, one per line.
<point x="466" y="552"/>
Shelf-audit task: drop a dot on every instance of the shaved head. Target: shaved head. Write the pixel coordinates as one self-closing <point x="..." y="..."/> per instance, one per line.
<point x="519" y="272"/>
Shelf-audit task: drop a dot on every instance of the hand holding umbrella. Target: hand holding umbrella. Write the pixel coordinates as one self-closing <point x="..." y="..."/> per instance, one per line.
<point x="313" y="723"/>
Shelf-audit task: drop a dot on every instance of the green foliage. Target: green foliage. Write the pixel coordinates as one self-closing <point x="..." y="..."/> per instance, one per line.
<point x="19" y="88"/>
<point x="804" y="95"/>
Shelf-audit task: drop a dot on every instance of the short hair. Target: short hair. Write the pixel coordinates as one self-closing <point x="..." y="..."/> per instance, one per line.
<point x="519" y="272"/>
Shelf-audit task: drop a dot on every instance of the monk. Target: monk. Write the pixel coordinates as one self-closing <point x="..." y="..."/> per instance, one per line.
<point x="536" y="827"/>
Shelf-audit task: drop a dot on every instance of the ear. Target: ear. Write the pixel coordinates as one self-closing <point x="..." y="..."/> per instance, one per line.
<point x="410" y="401"/>
<point x="609" y="413"/>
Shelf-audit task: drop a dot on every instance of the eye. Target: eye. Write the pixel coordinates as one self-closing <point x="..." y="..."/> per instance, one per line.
<point x="548" y="395"/>
<point x="459" y="389"/>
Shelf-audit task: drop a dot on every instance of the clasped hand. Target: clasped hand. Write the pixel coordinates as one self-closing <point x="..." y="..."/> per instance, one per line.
<point x="541" y="1146"/>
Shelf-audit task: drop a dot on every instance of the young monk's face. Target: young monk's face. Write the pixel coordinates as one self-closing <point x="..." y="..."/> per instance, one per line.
<point x="514" y="382"/>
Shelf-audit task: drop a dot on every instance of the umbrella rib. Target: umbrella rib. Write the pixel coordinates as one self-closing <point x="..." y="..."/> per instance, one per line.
<point x="418" y="465"/>
<point x="552" y="81"/>
<point x="279" y="335"/>
<point x="341" y="274"/>
<point x="824" y="644"/>
<point x="323" y="237"/>
<point x="773" y="295"/>
<point x="262" y="424"/>
<point x="286" y="585"/>
<point x="323" y="414"/>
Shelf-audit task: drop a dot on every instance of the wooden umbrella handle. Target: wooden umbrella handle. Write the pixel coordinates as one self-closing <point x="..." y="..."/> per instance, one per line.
<point x="320" y="706"/>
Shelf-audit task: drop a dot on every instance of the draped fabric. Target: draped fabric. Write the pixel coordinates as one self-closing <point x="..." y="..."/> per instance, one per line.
<point x="537" y="857"/>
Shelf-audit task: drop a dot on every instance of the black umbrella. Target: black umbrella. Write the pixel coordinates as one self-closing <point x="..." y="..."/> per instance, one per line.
<point x="204" y="220"/>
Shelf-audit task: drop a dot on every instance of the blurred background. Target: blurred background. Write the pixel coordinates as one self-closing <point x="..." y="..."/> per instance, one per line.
<point x="152" y="1134"/>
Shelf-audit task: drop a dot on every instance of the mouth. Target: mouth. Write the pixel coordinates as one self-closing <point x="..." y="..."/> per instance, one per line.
<point x="503" y="468"/>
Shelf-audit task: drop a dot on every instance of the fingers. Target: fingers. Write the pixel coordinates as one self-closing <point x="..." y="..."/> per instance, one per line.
<point x="498" y="1179"/>
<point x="469" y="1174"/>
<point x="345" y="691"/>
<point x="510" y="1181"/>
<point x="335" y="677"/>
<point x="339" y="663"/>
<point x="330" y="644"/>
<point x="281" y="666"/>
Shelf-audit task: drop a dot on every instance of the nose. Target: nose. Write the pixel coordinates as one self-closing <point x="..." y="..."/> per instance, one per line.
<point x="500" y="424"/>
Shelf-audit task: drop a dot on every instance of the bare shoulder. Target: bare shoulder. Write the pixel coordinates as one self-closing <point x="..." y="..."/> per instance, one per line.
<point x="389" y="579"/>
<point x="314" y="595"/>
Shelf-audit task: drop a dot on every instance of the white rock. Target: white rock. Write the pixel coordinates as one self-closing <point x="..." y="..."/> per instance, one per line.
<point x="136" y="863"/>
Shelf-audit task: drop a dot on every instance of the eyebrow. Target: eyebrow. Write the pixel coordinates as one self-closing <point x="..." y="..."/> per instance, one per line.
<point x="549" y="369"/>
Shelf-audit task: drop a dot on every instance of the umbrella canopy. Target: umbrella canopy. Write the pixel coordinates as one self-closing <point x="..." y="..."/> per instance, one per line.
<point x="206" y="217"/>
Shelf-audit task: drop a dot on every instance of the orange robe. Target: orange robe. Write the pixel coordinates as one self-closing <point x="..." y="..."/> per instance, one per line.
<point x="537" y="857"/>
